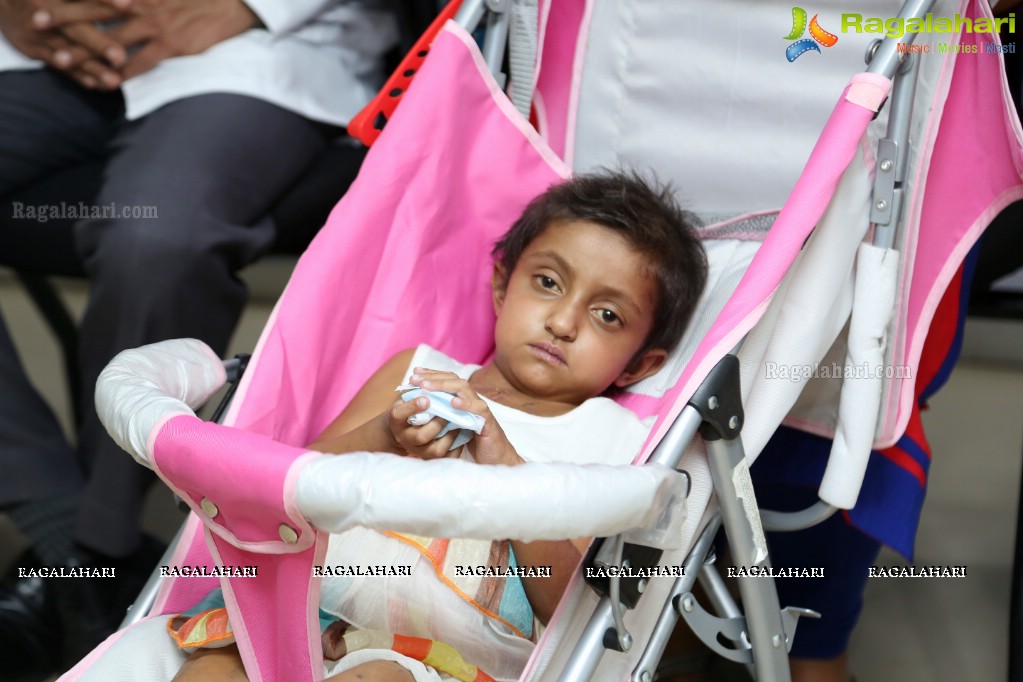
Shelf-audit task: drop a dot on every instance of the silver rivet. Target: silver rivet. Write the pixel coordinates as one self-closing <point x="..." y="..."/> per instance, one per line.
<point x="733" y="422"/>
<point x="687" y="604"/>
<point x="208" y="508"/>
<point x="776" y="641"/>
<point x="641" y="586"/>
<point x="626" y="641"/>
<point x="881" y="204"/>
<point x="712" y="402"/>
<point x="287" y="533"/>
<point x="645" y="676"/>
<point x="886" y="165"/>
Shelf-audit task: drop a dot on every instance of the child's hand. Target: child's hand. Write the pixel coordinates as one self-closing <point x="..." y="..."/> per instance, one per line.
<point x="420" y="441"/>
<point x="491" y="446"/>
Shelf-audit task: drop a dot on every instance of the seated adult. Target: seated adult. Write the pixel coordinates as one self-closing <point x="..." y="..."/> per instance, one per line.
<point x="205" y="112"/>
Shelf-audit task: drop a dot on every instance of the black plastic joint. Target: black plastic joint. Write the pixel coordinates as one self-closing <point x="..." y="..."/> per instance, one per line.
<point x="234" y="375"/>
<point x="611" y="641"/>
<point x="637" y="560"/>
<point x="719" y="401"/>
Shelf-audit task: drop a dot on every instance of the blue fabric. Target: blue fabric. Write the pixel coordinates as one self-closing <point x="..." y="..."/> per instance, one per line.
<point x="888" y="508"/>
<point x="842" y="551"/>
<point x="213" y="600"/>
<point x="515" y="607"/>
<point x="939" y="379"/>
<point x="890" y="503"/>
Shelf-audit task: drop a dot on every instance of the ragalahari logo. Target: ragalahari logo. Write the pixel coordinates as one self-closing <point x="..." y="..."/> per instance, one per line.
<point x="817" y="35"/>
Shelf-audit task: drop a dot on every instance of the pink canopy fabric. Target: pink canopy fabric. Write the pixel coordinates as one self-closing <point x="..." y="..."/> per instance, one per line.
<point x="405" y="256"/>
<point x="973" y="140"/>
<point x="562" y="37"/>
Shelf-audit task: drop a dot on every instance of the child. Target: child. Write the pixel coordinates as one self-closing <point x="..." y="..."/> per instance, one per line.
<point x="592" y="286"/>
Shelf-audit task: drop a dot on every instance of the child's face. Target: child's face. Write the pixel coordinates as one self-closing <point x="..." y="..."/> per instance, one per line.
<point x="575" y="312"/>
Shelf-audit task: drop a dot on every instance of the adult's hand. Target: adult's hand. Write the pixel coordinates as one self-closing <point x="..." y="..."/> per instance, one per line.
<point x="75" y="45"/>
<point x="174" y="28"/>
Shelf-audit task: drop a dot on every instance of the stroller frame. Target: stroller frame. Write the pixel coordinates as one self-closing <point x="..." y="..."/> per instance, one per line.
<point x="760" y="634"/>
<point x="715" y="411"/>
<point x="765" y="633"/>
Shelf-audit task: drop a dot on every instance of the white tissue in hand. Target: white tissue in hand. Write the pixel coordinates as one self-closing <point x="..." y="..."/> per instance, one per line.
<point x="440" y="406"/>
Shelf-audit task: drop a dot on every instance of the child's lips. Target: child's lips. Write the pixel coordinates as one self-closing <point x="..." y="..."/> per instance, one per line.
<point x="548" y="352"/>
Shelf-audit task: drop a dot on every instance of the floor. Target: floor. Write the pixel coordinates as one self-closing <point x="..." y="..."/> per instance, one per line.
<point x="956" y="629"/>
<point x="912" y="630"/>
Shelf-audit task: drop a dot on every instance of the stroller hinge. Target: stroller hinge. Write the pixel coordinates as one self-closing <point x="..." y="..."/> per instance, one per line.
<point x="719" y="401"/>
<point x="636" y="564"/>
<point x="886" y="203"/>
<point x="728" y="637"/>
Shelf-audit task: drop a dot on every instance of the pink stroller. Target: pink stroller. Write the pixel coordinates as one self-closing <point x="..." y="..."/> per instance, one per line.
<point x="404" y="259"/>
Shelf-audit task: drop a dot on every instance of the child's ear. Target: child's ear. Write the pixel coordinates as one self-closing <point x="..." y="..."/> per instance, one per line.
<point x="646" y="364"/>
<point x="498" y="285"/>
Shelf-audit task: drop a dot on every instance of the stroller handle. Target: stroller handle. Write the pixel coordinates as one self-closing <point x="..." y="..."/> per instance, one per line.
<point x="142" y="388"/>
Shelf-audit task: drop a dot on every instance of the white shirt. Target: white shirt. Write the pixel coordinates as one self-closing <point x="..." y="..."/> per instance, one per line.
<point x="599" y="431"/>
<point x="319" y="58"/>
<point x="419" y="604"/>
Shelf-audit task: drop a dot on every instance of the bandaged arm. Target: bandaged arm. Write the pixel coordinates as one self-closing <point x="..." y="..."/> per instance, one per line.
<point x="363" y="426"/>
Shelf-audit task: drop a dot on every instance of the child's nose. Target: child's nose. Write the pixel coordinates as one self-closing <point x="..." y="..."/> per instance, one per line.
<point x="561" y="322"/>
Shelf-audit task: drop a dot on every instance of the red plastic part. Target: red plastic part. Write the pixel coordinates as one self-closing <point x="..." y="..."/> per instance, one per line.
<point x="367" y="125"/>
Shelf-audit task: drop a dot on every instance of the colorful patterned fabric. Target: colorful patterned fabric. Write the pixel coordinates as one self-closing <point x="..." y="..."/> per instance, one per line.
<point x="502" y="597"/>
<point x="338" y="640"/>
<point x="206" y="626"/>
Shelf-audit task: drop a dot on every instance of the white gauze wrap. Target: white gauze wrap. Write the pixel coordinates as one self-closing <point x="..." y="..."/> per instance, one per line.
<point x="142" y="387"/>
<point x="457" y="498"/>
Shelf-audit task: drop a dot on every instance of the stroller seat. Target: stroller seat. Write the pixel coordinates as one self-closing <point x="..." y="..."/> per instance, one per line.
<point x="401" y="224"/>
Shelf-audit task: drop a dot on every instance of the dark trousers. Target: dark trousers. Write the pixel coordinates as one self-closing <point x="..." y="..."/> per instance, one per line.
<point x="181" y="206"/>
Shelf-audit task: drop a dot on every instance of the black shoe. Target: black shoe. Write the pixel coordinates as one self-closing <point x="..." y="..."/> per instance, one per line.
<point x="90" y="609"/>
<point x="30" y="636"/>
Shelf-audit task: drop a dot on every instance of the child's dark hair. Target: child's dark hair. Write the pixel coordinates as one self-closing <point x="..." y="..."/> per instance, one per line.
<point x="648" y="216"/>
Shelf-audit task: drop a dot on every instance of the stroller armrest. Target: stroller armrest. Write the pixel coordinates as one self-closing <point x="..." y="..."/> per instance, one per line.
<point x="144" y="387"/>
<point x="456" y="498"/>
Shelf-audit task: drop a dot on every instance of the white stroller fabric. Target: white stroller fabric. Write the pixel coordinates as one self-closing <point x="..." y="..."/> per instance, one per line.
<point x="877" y="271"/>
<point x="703" y="95"/>
<point x="541" y="501"/>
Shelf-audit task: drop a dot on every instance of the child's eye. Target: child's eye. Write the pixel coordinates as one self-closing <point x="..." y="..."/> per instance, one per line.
<point x="546" y="282"/>
<point x="608" y="317"/>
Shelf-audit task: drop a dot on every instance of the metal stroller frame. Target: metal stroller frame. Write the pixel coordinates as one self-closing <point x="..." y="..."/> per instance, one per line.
<point x="763" y="636"/>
